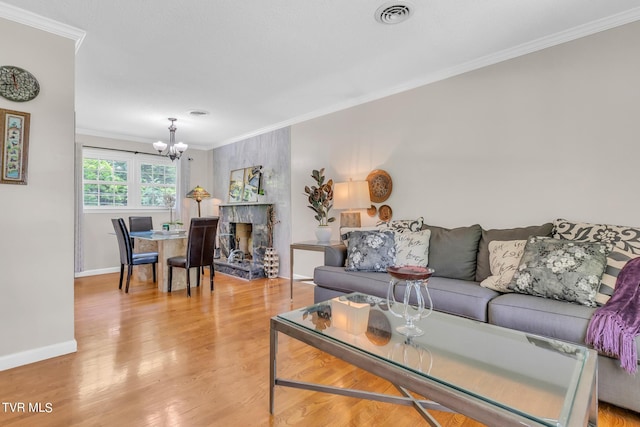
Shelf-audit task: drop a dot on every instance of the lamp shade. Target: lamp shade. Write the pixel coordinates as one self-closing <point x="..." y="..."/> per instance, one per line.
<point x="351" y="195"/>
<point x="198" y="193"/>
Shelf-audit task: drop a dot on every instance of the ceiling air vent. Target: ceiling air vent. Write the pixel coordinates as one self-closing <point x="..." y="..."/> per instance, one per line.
<point x="198" y="113"/>
<point x="394" y="12"/>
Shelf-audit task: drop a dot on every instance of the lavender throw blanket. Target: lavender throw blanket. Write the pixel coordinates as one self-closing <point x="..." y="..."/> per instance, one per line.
<point x="614" y="326"/>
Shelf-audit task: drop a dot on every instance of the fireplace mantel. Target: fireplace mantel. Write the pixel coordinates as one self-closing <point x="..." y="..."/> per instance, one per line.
<point x="226" y="205"/>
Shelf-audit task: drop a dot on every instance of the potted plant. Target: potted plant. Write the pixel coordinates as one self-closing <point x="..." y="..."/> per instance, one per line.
<point x="320" y="198"/>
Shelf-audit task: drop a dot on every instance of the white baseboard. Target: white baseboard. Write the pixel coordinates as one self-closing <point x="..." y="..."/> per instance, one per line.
<point x="97" y="272"/>
<point x="37" y="354"/>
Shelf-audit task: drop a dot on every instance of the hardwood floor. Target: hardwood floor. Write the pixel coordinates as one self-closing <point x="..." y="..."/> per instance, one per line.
<point x="152" y="359"/>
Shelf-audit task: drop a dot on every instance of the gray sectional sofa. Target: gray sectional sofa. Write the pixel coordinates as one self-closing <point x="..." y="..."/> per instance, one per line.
<point x="460" y="258"/>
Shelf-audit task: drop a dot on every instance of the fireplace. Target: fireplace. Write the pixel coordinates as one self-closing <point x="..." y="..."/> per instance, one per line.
<point x="244" y="233"/>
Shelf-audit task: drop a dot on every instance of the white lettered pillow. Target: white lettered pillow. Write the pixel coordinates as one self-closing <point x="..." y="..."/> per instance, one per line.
<point x="504" y="258"/>
<point x="412" y="248"/>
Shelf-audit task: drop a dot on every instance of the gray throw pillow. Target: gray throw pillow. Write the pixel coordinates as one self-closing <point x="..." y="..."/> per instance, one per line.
<point x="561" y="270"/>
<point x="483" y="269"/>
<point x="370" y="251"/>
<point x="453" y="252"/>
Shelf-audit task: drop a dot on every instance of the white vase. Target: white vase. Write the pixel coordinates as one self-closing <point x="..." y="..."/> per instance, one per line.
<point x="271" y="263"/>
<point x="323" y="234"/>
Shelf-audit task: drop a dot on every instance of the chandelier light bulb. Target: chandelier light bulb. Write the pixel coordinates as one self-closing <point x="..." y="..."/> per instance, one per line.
<point x="159" y="146"/>
<point x="181" y="147"/>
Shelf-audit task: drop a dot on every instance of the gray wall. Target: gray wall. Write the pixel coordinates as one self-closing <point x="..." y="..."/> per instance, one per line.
<point x="550" y="134"/>
<point x="36" y="247"/>
<point x="273" y="151"/>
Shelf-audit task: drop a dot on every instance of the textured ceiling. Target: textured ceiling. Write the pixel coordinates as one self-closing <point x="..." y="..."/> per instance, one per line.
<point x="257" y="65"/>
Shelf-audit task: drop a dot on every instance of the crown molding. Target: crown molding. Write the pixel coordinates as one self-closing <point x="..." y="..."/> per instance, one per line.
<point x="31" y="19"/>
<point x="578" y="32"/>
<point x="125" y="137"/>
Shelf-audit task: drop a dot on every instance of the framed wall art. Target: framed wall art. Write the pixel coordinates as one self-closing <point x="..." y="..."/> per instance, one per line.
<point x="244" y="184"/>
<point x="14" y="128"/>
<point x="236" y="185"/>
<point x="252" y="177"/>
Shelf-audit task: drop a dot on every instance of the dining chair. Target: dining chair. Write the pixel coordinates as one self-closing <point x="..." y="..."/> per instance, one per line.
<point x="140" y="223"/>
<point x="127" y="257"/>
<point x="200" y="245"/>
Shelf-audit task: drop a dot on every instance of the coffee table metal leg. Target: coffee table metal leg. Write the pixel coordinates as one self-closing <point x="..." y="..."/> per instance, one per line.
<point x="420" y="407"/>
<point x="273" y="351"/>
<point x="291" y="273"/>
<point x="593" y="410"/>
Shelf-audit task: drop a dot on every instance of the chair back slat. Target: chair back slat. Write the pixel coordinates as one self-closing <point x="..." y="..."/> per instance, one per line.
<point x="201" y="241"/>
<point x="124" y="241"/>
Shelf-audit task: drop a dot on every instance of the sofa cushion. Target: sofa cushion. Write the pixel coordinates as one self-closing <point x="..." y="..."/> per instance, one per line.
<point x="337" y="279"/>
<point x="453" y="296"/>
<point x="541" y="316"/>
<point x="504" y="258"/>
<point x="483" y="269"/>
<point x="412" y="248"/>
<point x="453" y="252"/>
<point x="559" y="269"/>
<point x="625" y="238"/>
<point x="370" y="251"/>
<point x="460" y="297"/>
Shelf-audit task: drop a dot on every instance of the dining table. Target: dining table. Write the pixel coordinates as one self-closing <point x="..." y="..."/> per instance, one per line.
<point x="168" y="244"/>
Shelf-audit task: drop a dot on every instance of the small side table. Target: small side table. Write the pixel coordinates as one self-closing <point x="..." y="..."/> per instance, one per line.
<point x="309" y="245"/>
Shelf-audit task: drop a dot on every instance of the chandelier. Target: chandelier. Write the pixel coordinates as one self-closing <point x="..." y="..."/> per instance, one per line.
<point x="175" y="150"/>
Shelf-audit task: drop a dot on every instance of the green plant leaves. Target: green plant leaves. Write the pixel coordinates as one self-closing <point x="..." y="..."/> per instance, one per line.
<point x="321" y="197"/>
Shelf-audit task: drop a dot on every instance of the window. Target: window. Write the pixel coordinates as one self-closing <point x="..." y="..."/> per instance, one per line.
<point x="156" y="183"/>
<point x="121" y="180"/>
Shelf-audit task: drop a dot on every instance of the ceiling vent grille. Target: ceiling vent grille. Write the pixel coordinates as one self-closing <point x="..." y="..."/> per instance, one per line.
<point x="394" y="12"/>
<point x="198" y="113"/>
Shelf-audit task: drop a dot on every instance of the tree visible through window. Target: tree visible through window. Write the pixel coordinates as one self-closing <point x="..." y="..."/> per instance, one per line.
<point x="156" y="182"/>
<point x="127" y="180"/>
<point x="105" y="182"/>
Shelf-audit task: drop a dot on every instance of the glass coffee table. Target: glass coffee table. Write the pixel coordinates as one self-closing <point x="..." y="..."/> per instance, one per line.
<point x="494" y="375"/>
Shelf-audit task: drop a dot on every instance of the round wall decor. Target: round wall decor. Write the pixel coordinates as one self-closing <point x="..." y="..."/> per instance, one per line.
<point x="385" y="213"/>
<point x="17" y="84"/>
<point x="372" y="211"/>
<point x="380" y="185"/>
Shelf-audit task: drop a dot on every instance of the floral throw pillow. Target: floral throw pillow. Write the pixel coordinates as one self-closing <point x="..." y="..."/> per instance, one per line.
<point x="370" y="251"/>
<point x="346" y="231"/>
<point x="504" y="258"/>
<point x="613" y="236"/>
<point x="561" y="270"/>
<point x="412" y="248"/>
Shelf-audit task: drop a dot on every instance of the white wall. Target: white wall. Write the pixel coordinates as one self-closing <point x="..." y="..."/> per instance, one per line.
<point x="550" y="134"/>
<point x="100" y="250"/>
<point x="36" y="247"/>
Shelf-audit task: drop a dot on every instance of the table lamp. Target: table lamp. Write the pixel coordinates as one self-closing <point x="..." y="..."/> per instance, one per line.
<point x="198" y="193"/>
<point x="351" y="195"/>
